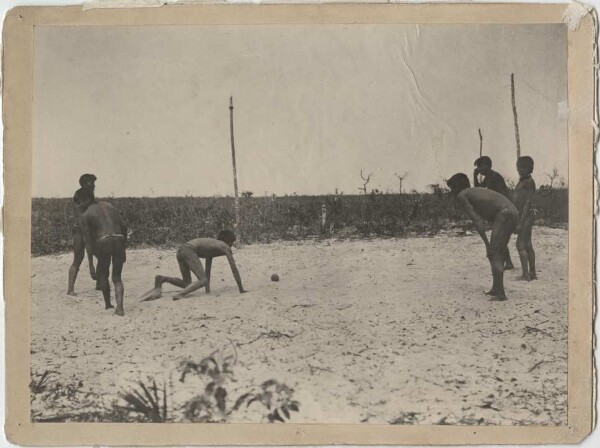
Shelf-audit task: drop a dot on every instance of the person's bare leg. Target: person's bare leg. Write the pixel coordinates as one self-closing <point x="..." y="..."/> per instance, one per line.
<point x="190" y="288"/>
<point x="102" y="271"/>
<point x="105" y="292"/>
<point x="119" y="292"/>
<point x="494" y="290"/>
<point x="191" y="264"/>
<point x="73" y="271"/>
<point x="498" y="275"/>
<point x="531" y="259"/>
<point x="179" y="282"/>
<point x="508" y="264"/>
<point x="523" y="256"/>
<point x="78" y="256"/>
<point x="529" y="248"/>
<point x="502" y="229"/>
<point x="118" y="261"/>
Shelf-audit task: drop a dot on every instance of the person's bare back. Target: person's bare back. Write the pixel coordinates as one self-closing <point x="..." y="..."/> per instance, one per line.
<point x="479" y="204"/>
<point x="105" y="235"/>
<point x="486" y="203"/>
<point x="208" y="247"/>
<point x="103" y="220"/>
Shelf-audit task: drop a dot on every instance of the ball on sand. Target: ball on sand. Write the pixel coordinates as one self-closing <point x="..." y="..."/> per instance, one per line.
<point x="274" y="278"/>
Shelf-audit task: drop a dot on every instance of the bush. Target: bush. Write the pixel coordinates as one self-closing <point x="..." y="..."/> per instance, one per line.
<point x="167" y="222"/>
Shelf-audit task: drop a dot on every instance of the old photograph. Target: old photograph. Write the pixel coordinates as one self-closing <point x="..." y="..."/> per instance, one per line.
<point x="334" y="223"/>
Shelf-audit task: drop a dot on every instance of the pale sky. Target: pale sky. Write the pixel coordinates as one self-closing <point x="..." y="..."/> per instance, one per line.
<point x="146" y="108"/>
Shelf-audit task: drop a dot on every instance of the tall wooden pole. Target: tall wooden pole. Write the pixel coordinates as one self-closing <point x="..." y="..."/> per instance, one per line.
<point x="514" y="106"/>
<point x="235" y="184"/>
<point x="480" y="144"/>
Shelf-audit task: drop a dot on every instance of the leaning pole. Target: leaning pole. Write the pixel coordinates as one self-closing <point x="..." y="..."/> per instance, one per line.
<point x="514" y="107"/>
<point x="235" y="184"/>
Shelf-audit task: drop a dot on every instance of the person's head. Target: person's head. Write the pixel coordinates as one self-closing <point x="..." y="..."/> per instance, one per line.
<point x="87" y="181"/>
<point x="484" y="164"/>
<point x="458" y="183"/>
<point x="525" y="166"/>
<point x="227" y="236"/>
<point x="84" y="198"/>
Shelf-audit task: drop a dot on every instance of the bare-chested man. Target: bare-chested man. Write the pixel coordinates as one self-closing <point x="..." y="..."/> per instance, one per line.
<point x="494" y="181"/>
<point x="87" y="183"/>
<point x="481" y="203"/>
<point x="523" y="200"/>
<point x="105" y="235"/>
<point x="188" y="257"/>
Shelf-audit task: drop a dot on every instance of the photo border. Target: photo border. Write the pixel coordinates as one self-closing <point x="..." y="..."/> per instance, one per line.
<point x="18" y="116"/>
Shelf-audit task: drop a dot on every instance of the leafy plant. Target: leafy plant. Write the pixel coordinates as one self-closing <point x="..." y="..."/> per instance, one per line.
<point x="146" y="402"/>
<point x="211" y="405"/>
<point x="276" y="397"/>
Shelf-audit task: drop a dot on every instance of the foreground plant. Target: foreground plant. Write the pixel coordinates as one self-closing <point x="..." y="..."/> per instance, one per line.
<point x="211" y="405"/>
<point x="146" y="402"/>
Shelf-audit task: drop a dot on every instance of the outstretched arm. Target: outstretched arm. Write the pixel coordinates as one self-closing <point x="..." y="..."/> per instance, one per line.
<point x="89" y="247"/>
<point x="207" y="273"/>
<point x="466" y="205"/>
<point x="234" y="270"/>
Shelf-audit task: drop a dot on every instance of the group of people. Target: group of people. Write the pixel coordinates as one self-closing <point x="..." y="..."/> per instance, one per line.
<point x="491" y="200"/>
<point x="99" y="230"/>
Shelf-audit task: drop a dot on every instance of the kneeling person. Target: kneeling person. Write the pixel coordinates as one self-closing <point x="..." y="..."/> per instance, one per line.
<point x="105" y="236"/>
<point x="188" y="258"/>
<point x="482" y="203"/>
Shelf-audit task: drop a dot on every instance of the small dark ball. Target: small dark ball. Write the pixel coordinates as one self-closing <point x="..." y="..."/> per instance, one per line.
<point x="274" y="278"/>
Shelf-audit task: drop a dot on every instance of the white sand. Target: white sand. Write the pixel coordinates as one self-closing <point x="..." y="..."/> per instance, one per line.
<point x="363" y="330"/>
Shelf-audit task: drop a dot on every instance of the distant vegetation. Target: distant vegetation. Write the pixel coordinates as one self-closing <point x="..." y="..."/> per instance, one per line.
<point x="167" y="222"/>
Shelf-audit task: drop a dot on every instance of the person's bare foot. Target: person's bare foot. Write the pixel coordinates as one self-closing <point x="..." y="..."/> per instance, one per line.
<point x="109" y="306"/>
<point x="532" y="276"/>
<point x="71" y="293"/>
<point x="492" y="292"/>
<point x="498" y="298"/>
<point x="119" y="312"/>
<point x="509" y="267"/>
<point x="524" y="277"/>
<point x="153" y="294"/>
<point x="177" y="297"/>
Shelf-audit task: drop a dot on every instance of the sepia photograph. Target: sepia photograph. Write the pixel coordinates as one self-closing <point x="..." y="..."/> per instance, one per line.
<point x="331" y="224"/>
<point x="310" y="224"/>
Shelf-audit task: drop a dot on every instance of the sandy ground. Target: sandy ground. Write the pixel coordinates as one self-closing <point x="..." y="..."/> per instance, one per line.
<point x="373" y="331"/>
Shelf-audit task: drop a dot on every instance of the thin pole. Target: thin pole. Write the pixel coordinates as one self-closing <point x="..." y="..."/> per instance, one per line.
<point x="514" y="106"/>
<point x="235" y="184"/>
<point x="480" y="143"/>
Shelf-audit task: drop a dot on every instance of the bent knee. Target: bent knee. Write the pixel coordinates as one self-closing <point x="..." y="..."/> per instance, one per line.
<point x="116" y="278"/>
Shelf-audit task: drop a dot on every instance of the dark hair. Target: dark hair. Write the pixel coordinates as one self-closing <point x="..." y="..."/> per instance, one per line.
<point x="484" y="160"/>
<point x="86" y="178"/>
<point x="526" y="161"/>
<point x="227" y="236"/>
<point x="458" y="183"/>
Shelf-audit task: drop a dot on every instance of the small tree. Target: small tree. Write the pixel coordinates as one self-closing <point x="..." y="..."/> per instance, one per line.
<point x="366" y="181"/>
<point x="552" y="177"/>
<point x="400" y="179"/>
